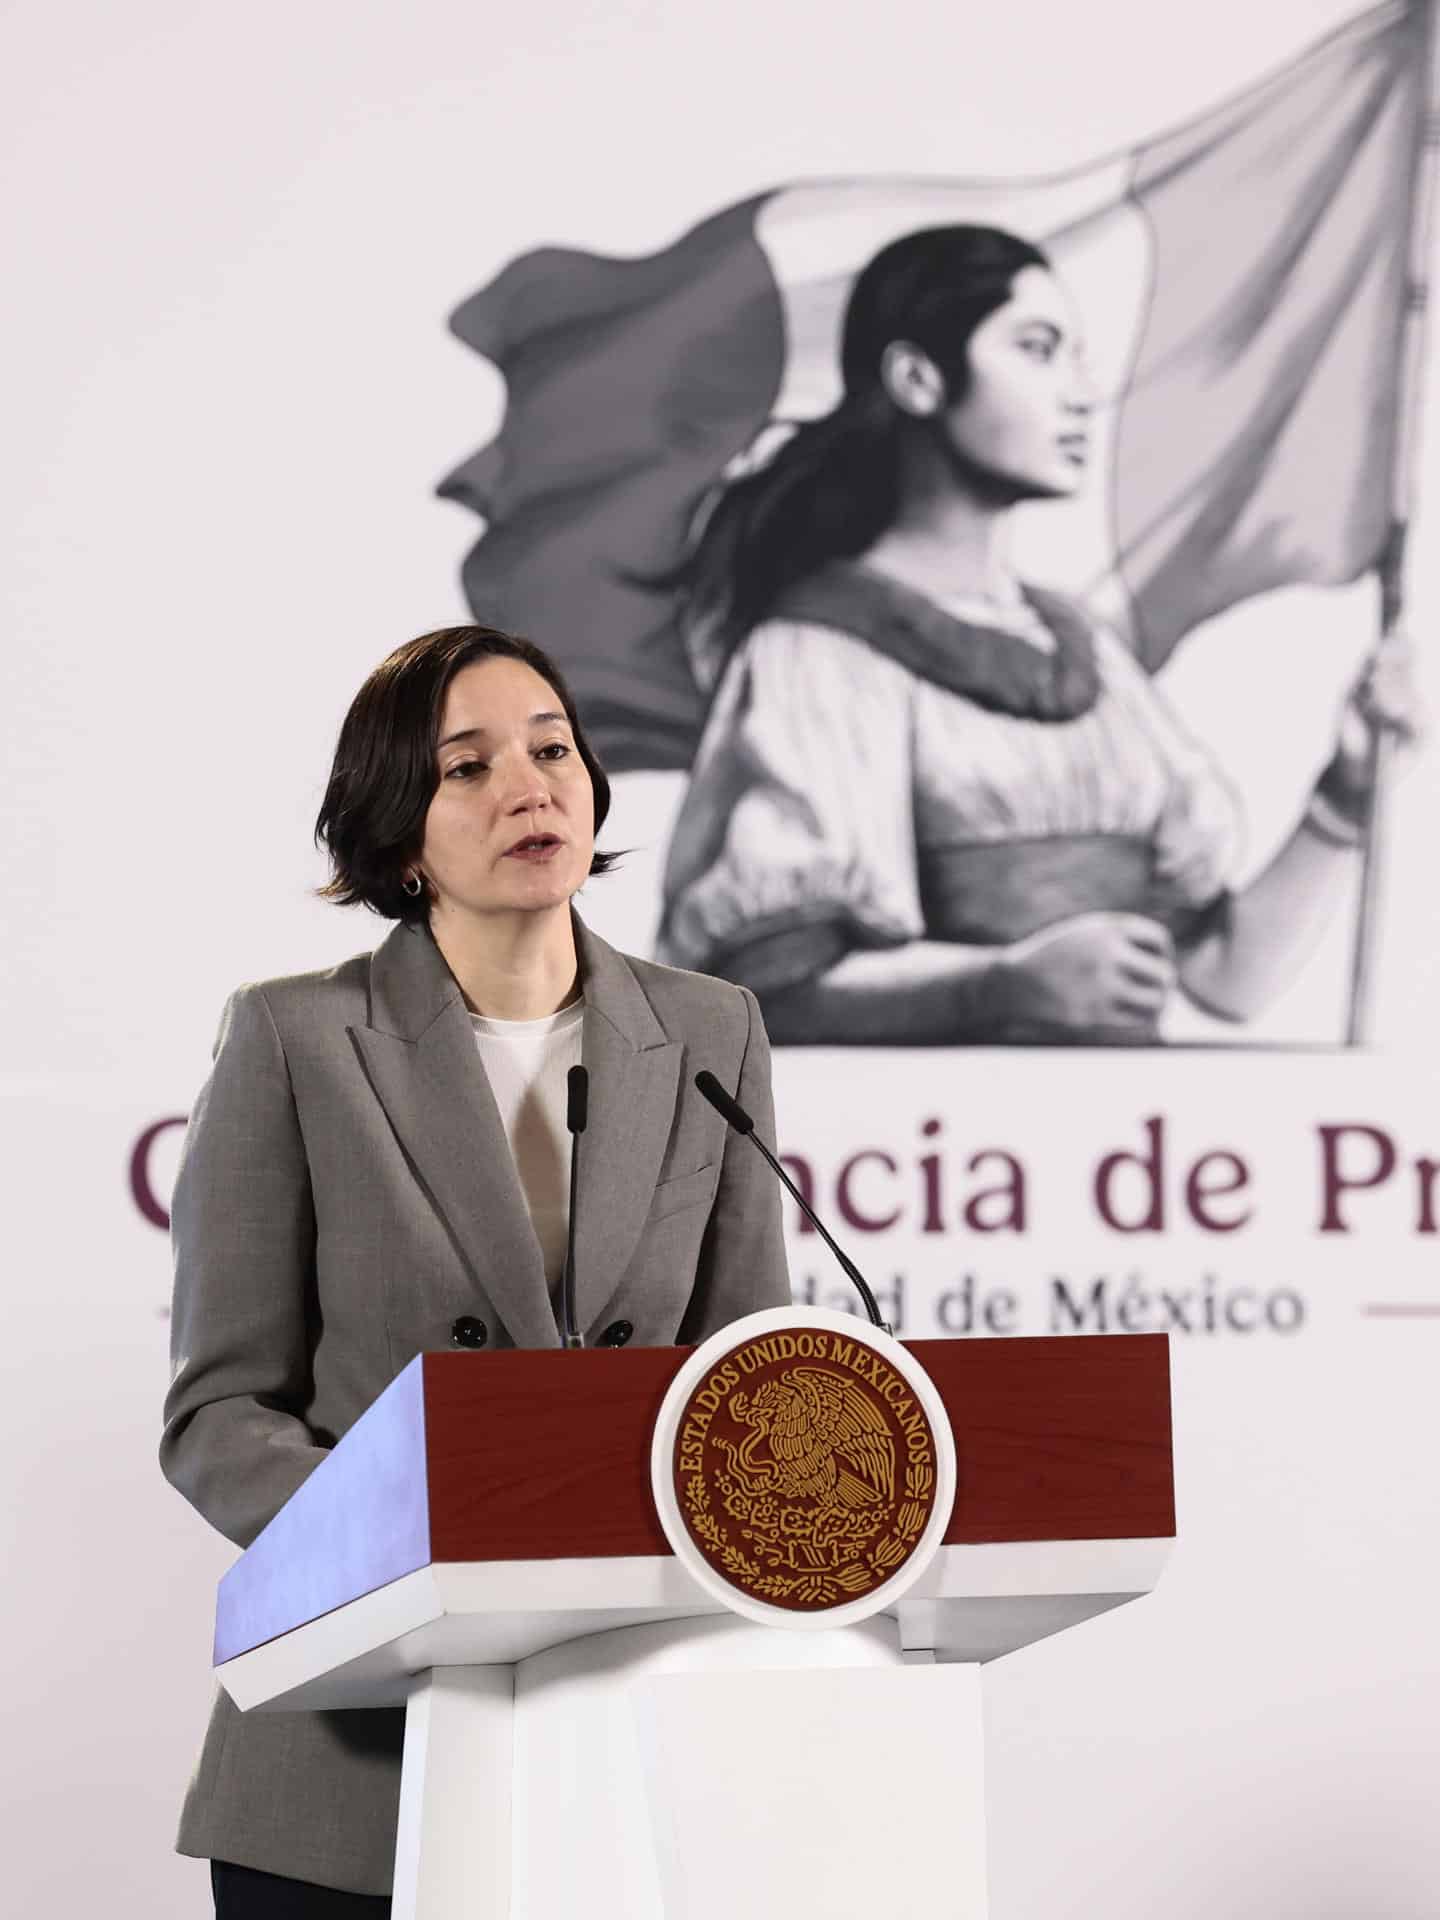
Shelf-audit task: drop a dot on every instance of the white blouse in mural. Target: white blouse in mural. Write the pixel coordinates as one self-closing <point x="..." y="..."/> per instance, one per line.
<point x="841" y="800"/>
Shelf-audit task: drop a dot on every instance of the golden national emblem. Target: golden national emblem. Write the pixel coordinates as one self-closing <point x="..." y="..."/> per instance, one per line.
<point x="805" y="1468"/>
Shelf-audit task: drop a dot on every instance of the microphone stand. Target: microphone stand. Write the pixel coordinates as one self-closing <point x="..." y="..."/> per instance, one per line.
<point x="577" y="1089"/>
<point x="734" y="1115"/>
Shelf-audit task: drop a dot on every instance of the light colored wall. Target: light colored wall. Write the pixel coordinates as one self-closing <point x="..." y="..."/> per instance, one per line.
<point x="231" y="239"/>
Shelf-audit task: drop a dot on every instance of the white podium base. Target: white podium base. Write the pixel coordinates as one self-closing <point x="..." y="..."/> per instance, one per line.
<point x="691" y="1769"/>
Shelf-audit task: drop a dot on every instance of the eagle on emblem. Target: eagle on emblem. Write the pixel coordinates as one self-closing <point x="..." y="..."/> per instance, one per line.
<point x="814" y="1435"/>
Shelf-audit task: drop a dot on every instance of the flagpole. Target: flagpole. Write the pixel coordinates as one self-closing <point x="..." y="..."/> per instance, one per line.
<point x="1390" y="569"/>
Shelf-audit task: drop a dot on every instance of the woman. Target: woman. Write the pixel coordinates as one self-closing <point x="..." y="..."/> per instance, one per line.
<point x="933" y="803"/>
<point x="378" y="1165"/>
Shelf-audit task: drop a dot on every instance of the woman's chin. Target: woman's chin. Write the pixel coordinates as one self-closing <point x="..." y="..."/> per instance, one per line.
<point x="1068" y="480"/>
<point x="542" y="887"/>
<point x="519" y="886"/>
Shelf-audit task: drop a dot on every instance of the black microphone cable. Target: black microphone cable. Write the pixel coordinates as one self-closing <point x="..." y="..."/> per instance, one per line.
<point x="734" y="1115"/>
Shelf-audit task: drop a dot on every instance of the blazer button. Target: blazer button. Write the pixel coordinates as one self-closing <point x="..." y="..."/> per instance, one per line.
<point x="616" y="1334"/>
<point x="469" y="1332"/>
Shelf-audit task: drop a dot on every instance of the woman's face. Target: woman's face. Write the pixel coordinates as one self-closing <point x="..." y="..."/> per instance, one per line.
<point x="1024" y="422"/>
<point x="512" y="825"/>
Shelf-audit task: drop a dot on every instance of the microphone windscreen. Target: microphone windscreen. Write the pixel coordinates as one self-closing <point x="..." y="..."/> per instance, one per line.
<point x="730" y="1110"/>
<point x="577" y="1090"/>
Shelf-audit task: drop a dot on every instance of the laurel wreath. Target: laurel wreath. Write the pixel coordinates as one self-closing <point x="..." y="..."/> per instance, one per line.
<point x="823" y="1586"/>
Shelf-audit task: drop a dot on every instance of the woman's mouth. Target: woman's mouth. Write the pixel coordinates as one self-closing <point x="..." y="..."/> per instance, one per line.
<point x="535" y="847"/>
<point x="1075" y="447"/>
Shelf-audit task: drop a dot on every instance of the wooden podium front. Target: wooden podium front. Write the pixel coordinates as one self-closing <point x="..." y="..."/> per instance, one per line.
<point x="586" y="1726"/>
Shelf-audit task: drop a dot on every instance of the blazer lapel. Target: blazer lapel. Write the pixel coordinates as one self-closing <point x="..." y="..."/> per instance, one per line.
<point x="419" y="1054"/>
<point x="634" y="1073"/>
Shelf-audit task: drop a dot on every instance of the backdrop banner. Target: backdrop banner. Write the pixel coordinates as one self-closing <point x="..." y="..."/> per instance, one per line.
<point x="1094" y="935"/>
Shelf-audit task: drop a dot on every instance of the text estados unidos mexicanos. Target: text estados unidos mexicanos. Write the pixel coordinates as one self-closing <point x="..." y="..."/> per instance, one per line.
<point x="806" y="1344"/>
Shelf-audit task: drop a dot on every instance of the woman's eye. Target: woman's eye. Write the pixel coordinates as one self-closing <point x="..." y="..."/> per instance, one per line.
<point x="555" y="750"/>
<point x="463" y="769"/>
<point x="1038" y="347"/>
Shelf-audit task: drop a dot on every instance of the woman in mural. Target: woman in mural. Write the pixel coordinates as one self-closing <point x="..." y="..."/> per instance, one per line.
<point x="934" y="803"/>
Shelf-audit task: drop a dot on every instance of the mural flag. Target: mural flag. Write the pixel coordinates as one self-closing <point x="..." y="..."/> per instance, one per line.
<point x="1242" y="283"/>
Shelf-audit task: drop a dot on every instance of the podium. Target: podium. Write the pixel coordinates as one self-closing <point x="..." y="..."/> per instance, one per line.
<point x="588" y="1732"/>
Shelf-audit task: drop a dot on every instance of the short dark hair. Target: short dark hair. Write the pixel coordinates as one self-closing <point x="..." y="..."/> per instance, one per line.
<point x="384" y="775"/>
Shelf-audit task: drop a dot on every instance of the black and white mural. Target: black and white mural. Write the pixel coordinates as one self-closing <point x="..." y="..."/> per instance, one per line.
<point x="879" y="508"/>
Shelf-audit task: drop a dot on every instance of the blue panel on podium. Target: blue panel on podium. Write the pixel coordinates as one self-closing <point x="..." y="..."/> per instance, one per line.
<point x="309" y="1560"/>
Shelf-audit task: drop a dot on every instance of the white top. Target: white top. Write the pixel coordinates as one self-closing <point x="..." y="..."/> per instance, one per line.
<point x="526" y="1062"/>
<point x="828" y="774"/>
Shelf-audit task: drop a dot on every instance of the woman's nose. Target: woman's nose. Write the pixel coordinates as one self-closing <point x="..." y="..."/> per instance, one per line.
<point x="529" y="797"/>
<point x="524" y="790"/>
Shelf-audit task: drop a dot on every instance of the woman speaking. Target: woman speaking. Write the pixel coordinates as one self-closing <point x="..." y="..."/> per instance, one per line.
<point x="378" y="1165"/>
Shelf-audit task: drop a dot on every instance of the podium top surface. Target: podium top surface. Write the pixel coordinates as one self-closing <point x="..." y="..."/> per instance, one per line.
<point x="533" y="1455"/>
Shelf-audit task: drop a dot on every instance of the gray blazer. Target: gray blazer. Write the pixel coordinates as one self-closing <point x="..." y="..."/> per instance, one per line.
<point x="345" y="1194"/>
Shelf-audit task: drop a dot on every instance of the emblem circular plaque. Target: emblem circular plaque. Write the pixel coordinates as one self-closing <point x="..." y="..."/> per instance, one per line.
<point x="803" y="1467"/>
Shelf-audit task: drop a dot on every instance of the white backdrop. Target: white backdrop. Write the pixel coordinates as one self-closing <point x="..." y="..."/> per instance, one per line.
<point x="232" y="239"/>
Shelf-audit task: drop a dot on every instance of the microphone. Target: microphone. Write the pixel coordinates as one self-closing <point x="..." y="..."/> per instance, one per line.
<point x="734" y="1115"/>
<point x="577" y="1100"/>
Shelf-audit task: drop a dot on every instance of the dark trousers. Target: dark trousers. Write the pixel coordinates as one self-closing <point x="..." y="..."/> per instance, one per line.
<point x="242" y="1893"/>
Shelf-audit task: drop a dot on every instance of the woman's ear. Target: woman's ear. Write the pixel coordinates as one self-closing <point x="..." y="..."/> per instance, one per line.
<point x="912" y="380"/>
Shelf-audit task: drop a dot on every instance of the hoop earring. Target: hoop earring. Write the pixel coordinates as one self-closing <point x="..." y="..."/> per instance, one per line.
<point x="414" y="890"/>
